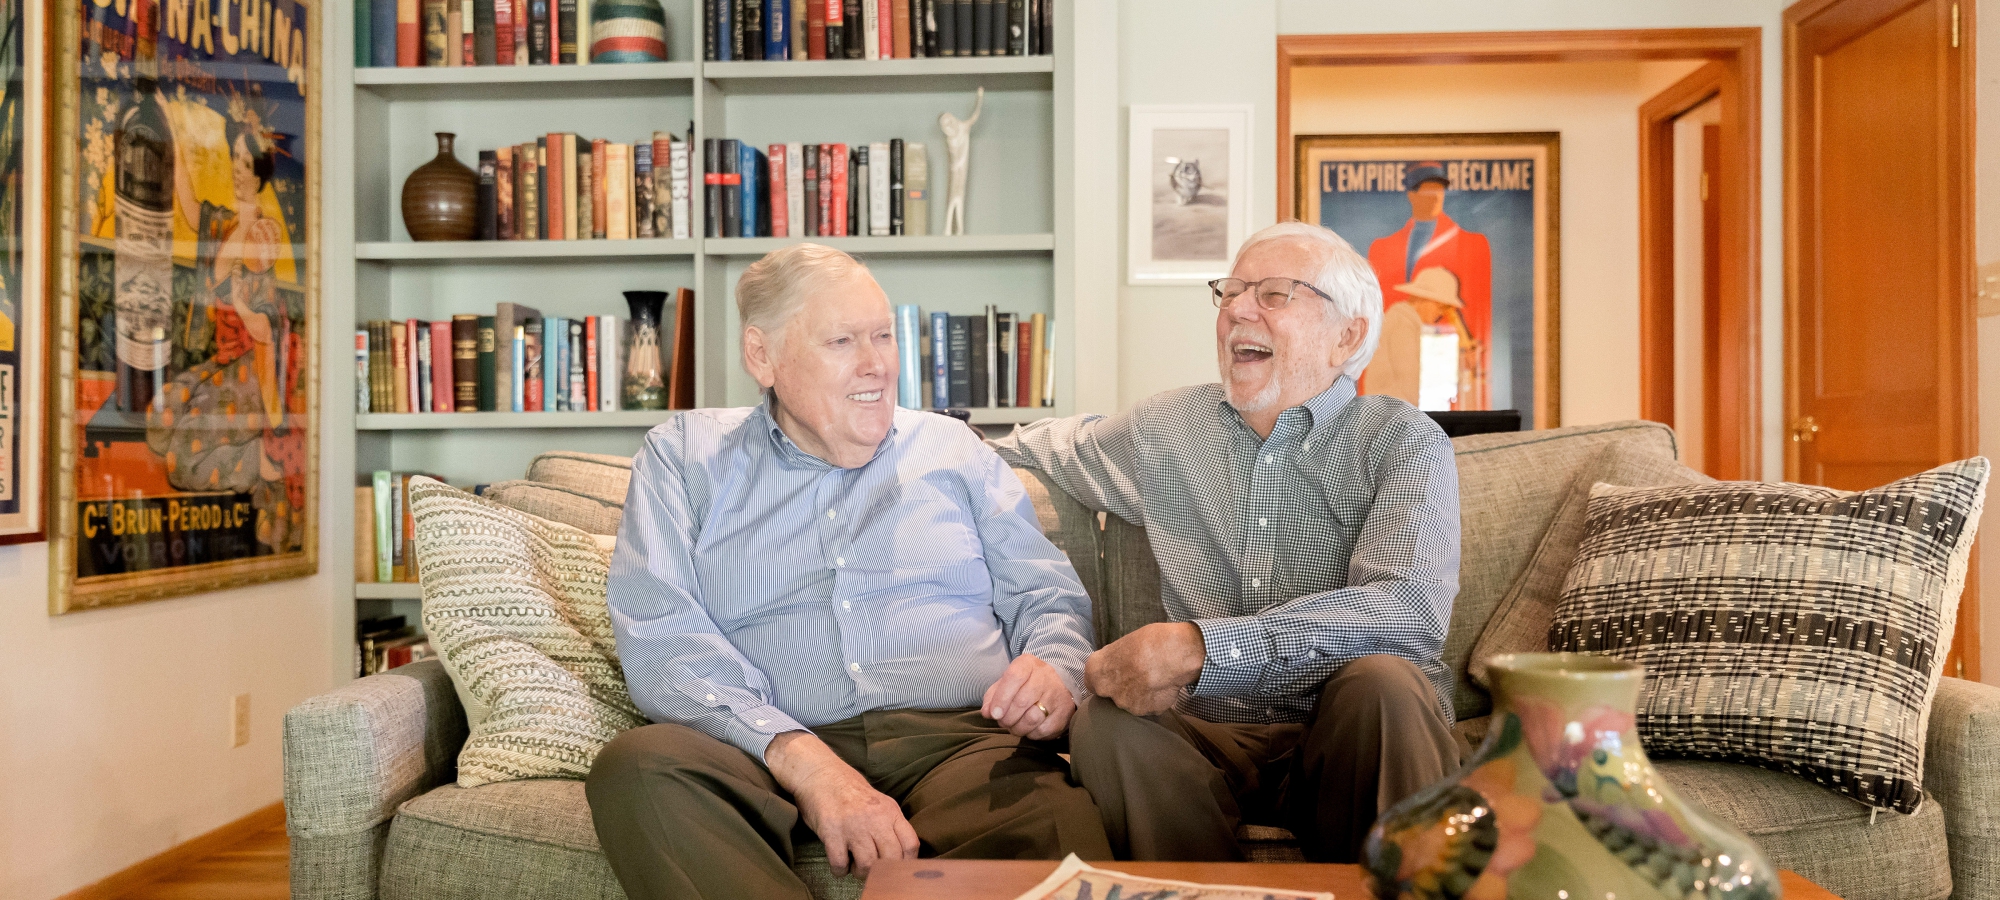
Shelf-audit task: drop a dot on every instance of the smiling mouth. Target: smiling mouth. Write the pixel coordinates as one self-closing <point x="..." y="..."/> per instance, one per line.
<point x="865" y="396"/>
<point x="1247" y="352"/>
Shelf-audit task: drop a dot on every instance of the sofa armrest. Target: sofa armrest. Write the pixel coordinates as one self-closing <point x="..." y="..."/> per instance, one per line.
<point x="1962" y="772"/>
<point x="352" y="756"/>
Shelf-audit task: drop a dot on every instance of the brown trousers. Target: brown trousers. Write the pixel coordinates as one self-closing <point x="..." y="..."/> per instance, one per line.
<point x="683" y="815"/>
<point x="1174" y="787"/>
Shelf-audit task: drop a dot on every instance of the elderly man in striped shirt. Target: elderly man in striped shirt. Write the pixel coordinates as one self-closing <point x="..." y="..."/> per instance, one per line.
<point x="1308" y="548"/>
<point x="844" y="617"/>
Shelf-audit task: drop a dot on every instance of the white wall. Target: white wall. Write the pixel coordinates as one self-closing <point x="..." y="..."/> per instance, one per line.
<point x="1986" y="250"/>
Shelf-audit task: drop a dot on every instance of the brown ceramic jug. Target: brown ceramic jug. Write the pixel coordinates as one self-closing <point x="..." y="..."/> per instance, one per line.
<point x="441" y="198"/>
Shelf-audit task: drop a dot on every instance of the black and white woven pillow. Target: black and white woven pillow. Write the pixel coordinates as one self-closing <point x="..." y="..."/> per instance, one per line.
<point x="1787" y="626"/>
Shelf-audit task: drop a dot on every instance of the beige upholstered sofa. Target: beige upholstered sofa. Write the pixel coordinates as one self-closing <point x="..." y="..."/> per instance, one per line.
<point x="373" y="811"/>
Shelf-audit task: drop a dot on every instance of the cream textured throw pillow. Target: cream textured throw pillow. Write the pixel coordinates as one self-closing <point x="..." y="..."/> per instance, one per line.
<point x="1788" y="626"/>
<point x="515" y="607"/>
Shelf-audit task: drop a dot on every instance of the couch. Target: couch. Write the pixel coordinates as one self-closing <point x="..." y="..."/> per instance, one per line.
<point x="373" y="811"/>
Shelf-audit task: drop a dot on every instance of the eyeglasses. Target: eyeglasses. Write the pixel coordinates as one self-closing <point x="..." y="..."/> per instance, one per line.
<point x="1271" y="293"/>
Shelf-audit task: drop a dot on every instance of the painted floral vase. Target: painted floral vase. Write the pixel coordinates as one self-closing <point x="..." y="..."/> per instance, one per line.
<point x="645" y="383"/>
<point x="441" y="198"/>
<point x="1560" y="802"/>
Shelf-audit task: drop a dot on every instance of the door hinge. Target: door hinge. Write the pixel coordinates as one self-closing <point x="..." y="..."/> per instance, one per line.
<point x="1954" y="26"/>
<point x="1804" y="430"/>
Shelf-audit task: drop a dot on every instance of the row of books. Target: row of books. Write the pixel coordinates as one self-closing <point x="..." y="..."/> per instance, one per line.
<point x="994" y="359"/>
<point x="382" y="643"/>
<point x="385" y="543"/>
<point x="407" y="33"/>
<point x="814" y="190"/>
<point x="543" y="364"/>
<point x="874" y="29"/>
<point x="561" y="187"/>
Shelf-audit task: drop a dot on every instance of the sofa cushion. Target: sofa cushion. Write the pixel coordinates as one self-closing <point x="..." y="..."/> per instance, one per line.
<point x="1521" y="623"/>
<point x="525" y="840"/>
<point x="597" y="475"/>
<point x="1073" y="529"/>
<point x="558" y="504"/>
<point x="515" y="606"/>
<point x="1824" y="836"/>
<point x="1509" y="486"/>
<point x="1782" y="625"/>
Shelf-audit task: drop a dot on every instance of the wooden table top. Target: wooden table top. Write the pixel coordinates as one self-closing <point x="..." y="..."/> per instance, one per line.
<point x="1005" y="879"/>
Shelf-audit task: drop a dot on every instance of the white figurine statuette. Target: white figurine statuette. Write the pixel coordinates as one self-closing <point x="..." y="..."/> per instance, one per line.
<point x="958" y="144"/>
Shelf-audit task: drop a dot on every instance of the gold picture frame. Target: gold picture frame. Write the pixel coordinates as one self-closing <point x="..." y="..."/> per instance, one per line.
<point x="185" y="430"/>
<point x="1497" y="233"/>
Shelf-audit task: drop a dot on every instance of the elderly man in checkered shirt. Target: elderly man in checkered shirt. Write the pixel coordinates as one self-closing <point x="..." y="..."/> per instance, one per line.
<point x="1308" y="546"/>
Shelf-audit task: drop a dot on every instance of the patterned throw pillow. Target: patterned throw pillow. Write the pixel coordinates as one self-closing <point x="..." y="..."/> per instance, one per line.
<point x="1792" y="627"/>
<point x="515" y="607"/>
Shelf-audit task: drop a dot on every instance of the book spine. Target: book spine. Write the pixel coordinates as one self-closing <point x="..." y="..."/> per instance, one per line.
<point x="466" y="28"/>
<point x="1017" y="27"/>
<point x="608" y="382"/>
<point x="662" y="185"/>
<point x="399" y="360"/>
<point x="992" y="342"/>
<point x="1003" y="345"/>
<point x="583" y="26"/>
<point x="899" y="17"/>
<point x="464" y="367"/>
<point x="362" y="401"/>
<point x="967" y="20"/>
<point x="932" y="29"/>
<point x="885" y="28"/>
<point x="642" y="190"/>
<point x="616" y="189"/>
<point x="485" y="32"/>
<point x="1024" y="361"/>
<point x="555" y="338"/>
<point x="995" y="20"/>
<point x="531" y="367"/>
<point x="590" y="374"/>
<point x="521" y="32"/>
<point x="708" y="30"/>
<point x="1038" y="355"/>
<point x="746" y="198"/>
<point x="383" y="40"/>
<point x="940" y="360"/>
<point x="600" y="189"/>
<point x="517" y="353"/>
<point x="795" y="201"/>
<point x="1048" y="26"/>
<point x="573" y="226"/>
<point x="1048" y="367"/>
<point x="910" y="356"/>
<point x="809" y="177"/>
<point x="424" y="398"/>
<point x="503" y="32"/>
<point x="384" y="533"/>
<point x="378" y="368"/>
<point x="678" y="171"/>
<point x="879" y="216"/>
<point x="566" y="32"/>
<point x="680" y="366"/>
<point x="406" y="535"/>
<point x="780" y="202"/>
<point x="753" y="29"/>
<point x="540" y="41"/>
<point x="364" y="534"/>
<point x="488" y="198"/>
<point x="731" y="163"/>
<point x="503" y="193"/>
<point x="896" y="186"/>
<point x="795" y="41"/>
<point x="573" y="356"/>
<point x="857" y="190"/>
<point x="444" y="368"/>
<point x="531" y="192"/>
<point x="435" y="21"/>
<point x="409" y="33"/>
<point x="840" y="197"/>
<point x="871" y="30"/>
<point x="711" y="192"/>
<point x="727" y="37"/>
<point x="947" y="27"/>
<point x="815" y="28"/>
<point x="979" y="361"/>
<point x="777" y="31"/>
<point x="836" y="30"/>
<point x="487" y="363"/>
<point x="959" y="350"/>
<point x="364" y="35"/>
<point x="586" y="196"/>
<point x="916" y="189"/>
<point x="853" y="40"/>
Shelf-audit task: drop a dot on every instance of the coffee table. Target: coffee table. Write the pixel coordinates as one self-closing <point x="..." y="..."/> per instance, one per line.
<point x="1005" y="879"/>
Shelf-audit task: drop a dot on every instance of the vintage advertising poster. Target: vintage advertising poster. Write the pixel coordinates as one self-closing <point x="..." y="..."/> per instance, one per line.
<point x="187" y="297"/>
<point x="21" y="222"/>
<point x="1461" y="230"/>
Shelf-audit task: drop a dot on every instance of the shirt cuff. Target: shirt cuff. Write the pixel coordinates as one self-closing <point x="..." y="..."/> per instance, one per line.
<point x="752" y="729"/>
<point x="1238" y="652"/>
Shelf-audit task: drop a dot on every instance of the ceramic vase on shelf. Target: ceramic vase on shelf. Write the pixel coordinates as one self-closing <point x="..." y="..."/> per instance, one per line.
<point x="645" y="385"/>
<point x="627" y="31"/>
<point x="441" y="198"/>
<point x="1560" y="802"/>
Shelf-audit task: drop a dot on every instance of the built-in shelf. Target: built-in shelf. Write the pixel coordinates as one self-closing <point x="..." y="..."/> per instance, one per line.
<point x="636" y="418"/>
<point x="755" y="70"/>
<point x="659" y="248"/>
<point x="925" y="245"/>
<point x="455" y="81"/>
<point x="388" y="590"/>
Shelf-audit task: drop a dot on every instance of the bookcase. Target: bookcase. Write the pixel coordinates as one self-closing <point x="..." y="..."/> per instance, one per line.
<point x="1018" y="252"/>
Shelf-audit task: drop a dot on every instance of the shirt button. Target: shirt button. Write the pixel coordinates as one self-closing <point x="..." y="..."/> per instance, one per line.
<point x="711" y="698"/>
<point x="829" y="514"/>
<point x="1233" y="652"/>
<point x="1306" y="446"/>
<point x="854" y="667"/>
<point x="1267" y="460"/>
<point x="1256" y="582"/>
<point x="760" y="723"/>
<point x="846" y="604"/>
<point x="1260" y="522"/>
<point x="840" y="561"/>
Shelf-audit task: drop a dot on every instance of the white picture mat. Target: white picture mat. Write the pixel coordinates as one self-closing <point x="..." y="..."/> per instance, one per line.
<point x="1143" y="163"/>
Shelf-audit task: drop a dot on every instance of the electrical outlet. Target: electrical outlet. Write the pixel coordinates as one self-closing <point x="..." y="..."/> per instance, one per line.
<point x="239" y="720"/>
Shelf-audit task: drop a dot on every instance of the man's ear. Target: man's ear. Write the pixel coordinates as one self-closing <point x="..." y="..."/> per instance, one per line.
<point x="758" y="354"/>
<point x="1351" y="336"/>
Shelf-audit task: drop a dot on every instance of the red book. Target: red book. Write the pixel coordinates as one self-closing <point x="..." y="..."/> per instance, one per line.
<point x="468" y="43"/>
<point x="815" y="30"/>
<point x="554" y="215"/>
<point x="780" y="219"/>
<point x="410" y="386"/>
<point x="503" y="32"/>
<point x="409" y="36"/>
<point x="885" y="29"/>
<point x="443" y="389"/>
<point x="901" y="15"/>
<point x="1024" y="329"/>
<point x="839" y="210"/>
<point x="825" y="179"/>
<point x="590" y="361"/>
<point x="836" y="18"/>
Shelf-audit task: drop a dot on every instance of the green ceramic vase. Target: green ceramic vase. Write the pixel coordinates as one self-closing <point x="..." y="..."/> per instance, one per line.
<point x="1560" y="803"/>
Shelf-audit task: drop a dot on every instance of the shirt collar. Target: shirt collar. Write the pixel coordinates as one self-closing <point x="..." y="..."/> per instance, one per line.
<point x="1320" y="410"/>
<point x="791" y="452"/>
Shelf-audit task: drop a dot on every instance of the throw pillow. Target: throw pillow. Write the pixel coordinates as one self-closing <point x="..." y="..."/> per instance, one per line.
<point x="557" y="503"/>
<point x="515" y="607"/>
<point x="1521" y="623"/>
<point x="1787" y="626"/>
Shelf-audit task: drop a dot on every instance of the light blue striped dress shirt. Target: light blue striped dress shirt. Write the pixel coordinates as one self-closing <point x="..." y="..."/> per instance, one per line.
<point x="758" y="589"/>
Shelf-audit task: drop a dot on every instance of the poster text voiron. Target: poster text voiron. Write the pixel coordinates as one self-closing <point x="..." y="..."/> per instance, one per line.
<point x="1462" y="175"/>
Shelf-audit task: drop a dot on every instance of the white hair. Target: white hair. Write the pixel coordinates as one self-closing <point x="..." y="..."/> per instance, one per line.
<point x="774" y="289"/>
<point x="1344" y="275"/>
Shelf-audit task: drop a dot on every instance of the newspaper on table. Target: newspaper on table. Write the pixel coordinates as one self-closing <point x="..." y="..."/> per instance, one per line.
<point x="1078" y="880"/>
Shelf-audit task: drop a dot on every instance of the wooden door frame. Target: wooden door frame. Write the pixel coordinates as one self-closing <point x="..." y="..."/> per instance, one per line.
<point x="1736" y="389"/>
<point x="1956" y="164"/>
<point x="1737" y="51"/>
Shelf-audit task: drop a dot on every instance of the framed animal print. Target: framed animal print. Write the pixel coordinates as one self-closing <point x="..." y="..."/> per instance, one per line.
<point x="184" y="273"/>
<point x="23" y="184"/>
<point x="1189" y="192"/>
<point x="1462" y="231"/>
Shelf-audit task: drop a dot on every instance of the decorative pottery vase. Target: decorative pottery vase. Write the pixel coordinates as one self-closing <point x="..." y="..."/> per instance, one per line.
<point x="1560" y="802"/>
<point x="645" y="378"/>
<point x="441" y="198"/>
<point x="626" y="31"/>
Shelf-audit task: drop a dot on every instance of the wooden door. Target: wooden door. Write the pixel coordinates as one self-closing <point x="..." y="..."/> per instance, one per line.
<point x="1880" y="352"/>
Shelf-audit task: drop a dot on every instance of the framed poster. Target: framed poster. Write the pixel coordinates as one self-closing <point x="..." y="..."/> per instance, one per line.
<point x="1188" y="200"/>
<point x="186" y="376"/>
<point x="1462" y="232"/>
<point x="23" y="181"/>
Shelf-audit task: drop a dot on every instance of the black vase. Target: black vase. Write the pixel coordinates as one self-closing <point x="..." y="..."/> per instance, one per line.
<point x="645" y="376"/>
<point x="441" y="198"/>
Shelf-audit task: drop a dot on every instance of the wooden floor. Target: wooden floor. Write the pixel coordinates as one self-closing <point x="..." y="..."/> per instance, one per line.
<point x="257" y="869"/>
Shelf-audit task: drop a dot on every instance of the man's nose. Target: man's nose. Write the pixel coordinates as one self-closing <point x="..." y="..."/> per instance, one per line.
<point x="1244" y="307"/>
<point x="875" y="359"/>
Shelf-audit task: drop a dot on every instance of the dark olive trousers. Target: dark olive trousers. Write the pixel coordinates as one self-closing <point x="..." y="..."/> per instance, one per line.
<point x="682" y="815"/>
<point x="1174" y="787"/>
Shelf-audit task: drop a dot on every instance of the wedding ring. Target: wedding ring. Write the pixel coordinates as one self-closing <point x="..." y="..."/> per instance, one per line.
<point x="1044" y="709"/>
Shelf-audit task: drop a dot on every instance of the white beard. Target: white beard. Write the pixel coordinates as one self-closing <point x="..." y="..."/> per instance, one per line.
<point x="1263" y="400"/>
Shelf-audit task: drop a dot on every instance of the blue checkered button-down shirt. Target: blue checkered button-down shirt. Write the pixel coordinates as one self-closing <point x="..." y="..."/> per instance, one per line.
<point x="757" y="589"/>
<point x="1334" y="538"/>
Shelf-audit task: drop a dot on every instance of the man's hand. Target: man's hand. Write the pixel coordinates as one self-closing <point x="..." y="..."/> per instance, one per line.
<point x="1143" y="672"/>
<point x="857" y="823"/>
<point x="1030" y="699"/>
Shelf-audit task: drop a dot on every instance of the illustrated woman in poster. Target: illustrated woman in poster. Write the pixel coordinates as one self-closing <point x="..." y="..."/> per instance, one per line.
<point x="1430" y="238"/>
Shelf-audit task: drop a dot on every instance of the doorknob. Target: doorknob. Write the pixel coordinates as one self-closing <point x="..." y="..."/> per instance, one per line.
<point x="1804" y="429"/>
